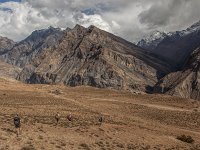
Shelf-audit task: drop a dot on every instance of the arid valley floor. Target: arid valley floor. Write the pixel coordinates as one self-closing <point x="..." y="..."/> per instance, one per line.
<point x="130" y="121"/>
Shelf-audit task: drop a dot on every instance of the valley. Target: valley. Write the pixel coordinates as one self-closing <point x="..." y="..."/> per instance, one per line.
<point x="130" y="121"/>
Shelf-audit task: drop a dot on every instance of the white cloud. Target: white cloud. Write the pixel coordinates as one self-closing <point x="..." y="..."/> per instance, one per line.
<point x="22" y="20"/>
<point x="87" y="20"/>
<point x="130" y="19"/>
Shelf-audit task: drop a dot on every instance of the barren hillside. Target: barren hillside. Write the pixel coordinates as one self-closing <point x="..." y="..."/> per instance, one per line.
<point x="130" y="121"/>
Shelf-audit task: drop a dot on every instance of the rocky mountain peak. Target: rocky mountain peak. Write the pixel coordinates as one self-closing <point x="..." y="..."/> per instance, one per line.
<point x="42" y="33"/>
<point x="195" y="26"/>
<point x="157" y="35"/>
<point x="151" y="41"/>
<point x="23" y="52"/>
<point x="79" y="27"/>
<point x="5" y="44"/>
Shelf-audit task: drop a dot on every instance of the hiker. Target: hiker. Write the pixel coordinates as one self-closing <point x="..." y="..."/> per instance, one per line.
<point x="57" y="117"/>
<point x="101" y="119"/>
<point x="17" y="123"/>
<point x="69" y="117"/>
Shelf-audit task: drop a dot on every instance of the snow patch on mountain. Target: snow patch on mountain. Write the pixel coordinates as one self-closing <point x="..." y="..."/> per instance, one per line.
<point x="150" y="42"/>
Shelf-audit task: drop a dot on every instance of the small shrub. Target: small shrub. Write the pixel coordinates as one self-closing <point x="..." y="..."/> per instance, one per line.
<point x="63" y="144"/>
<point x="195" y="110"/>
<point x="56" y="92"/>
<point x="58" y="146"/>
<point x="85" y="146"/>
<point x="30" y="147"/>
<point x="120" y="145"/>
<point x="184" y="138"/>
<point x="131" y="147"/>
<point x="40" y="137"/>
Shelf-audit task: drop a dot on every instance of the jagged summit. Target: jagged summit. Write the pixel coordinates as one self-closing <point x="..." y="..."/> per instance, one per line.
<point x="151" y="42"/>
<point x="5" y="44"/>
<point x="42" y="33"/>
<point x="195" y="25"/>
<point x="24" y="51"/>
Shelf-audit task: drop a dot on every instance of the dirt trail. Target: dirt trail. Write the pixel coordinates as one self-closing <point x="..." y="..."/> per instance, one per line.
<point x="129" y="121"/>
<point x="156" y="106"/>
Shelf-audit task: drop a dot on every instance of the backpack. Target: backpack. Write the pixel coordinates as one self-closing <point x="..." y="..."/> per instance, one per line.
<point x="17" y="121"/>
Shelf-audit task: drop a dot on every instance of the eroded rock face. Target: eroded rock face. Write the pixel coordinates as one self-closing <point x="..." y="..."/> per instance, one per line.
<point x="5" y="44"/>
<point x="25" y="51"/>
<point x="184" y="83"/>
<point x="8" y="71"/>
<point x="90" y="56"/>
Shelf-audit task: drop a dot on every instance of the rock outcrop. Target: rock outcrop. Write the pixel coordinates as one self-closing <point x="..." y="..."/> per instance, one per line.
<point x="184" y="83"/>
<point x="5" y="44"/>
<point x="24" y="52"/>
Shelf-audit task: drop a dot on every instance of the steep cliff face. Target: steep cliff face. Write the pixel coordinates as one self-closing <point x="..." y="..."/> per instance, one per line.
<point x="5" y="44"/>
<point x="184" y="83"/>
<point x="25" y="51"/>
<point x="90" y="56"/>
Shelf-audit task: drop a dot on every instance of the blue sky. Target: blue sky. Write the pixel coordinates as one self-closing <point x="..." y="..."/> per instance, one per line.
<point x="2" y="1"/>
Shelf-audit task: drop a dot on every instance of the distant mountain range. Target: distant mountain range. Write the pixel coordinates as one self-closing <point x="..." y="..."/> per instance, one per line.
<point x="163" y="62"/>
<point x="175" y="47"/>
<point x="151" y="41"/>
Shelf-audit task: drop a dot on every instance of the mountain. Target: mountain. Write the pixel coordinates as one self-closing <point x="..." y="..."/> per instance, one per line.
<point x="5" y="44"/>
<point x="25" y="51"/>
<point x="151" y="42"/>
<point x="93" y="57"/>
<point x="176" y="46"/>
<point x="9" y="71"/>
<point x="184" y="83"/>
<point x="85" y="56"/>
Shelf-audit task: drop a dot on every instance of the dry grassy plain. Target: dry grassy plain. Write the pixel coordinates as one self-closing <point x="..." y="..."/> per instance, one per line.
<point x="130" y="121"/>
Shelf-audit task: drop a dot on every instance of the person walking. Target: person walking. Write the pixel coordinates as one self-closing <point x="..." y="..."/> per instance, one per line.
<point x="17" y="123"/>
<point x="69" y="117"/>
<point x="100" y="119"/>
<point x="57" y="117"/>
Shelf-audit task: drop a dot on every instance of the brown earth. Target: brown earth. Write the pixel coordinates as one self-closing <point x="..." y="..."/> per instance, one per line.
<point x="131" y="121"/>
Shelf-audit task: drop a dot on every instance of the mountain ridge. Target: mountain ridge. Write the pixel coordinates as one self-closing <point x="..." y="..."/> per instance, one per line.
<point x="179" y="43"/>
<point x="93" y="57"/>
<point x="25" y="50"/>
<point x="5" y="44"/>
<point x="85" y="56"/>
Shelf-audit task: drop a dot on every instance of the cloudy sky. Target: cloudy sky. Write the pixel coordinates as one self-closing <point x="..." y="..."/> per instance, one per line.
<point x="130" y="19"/>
